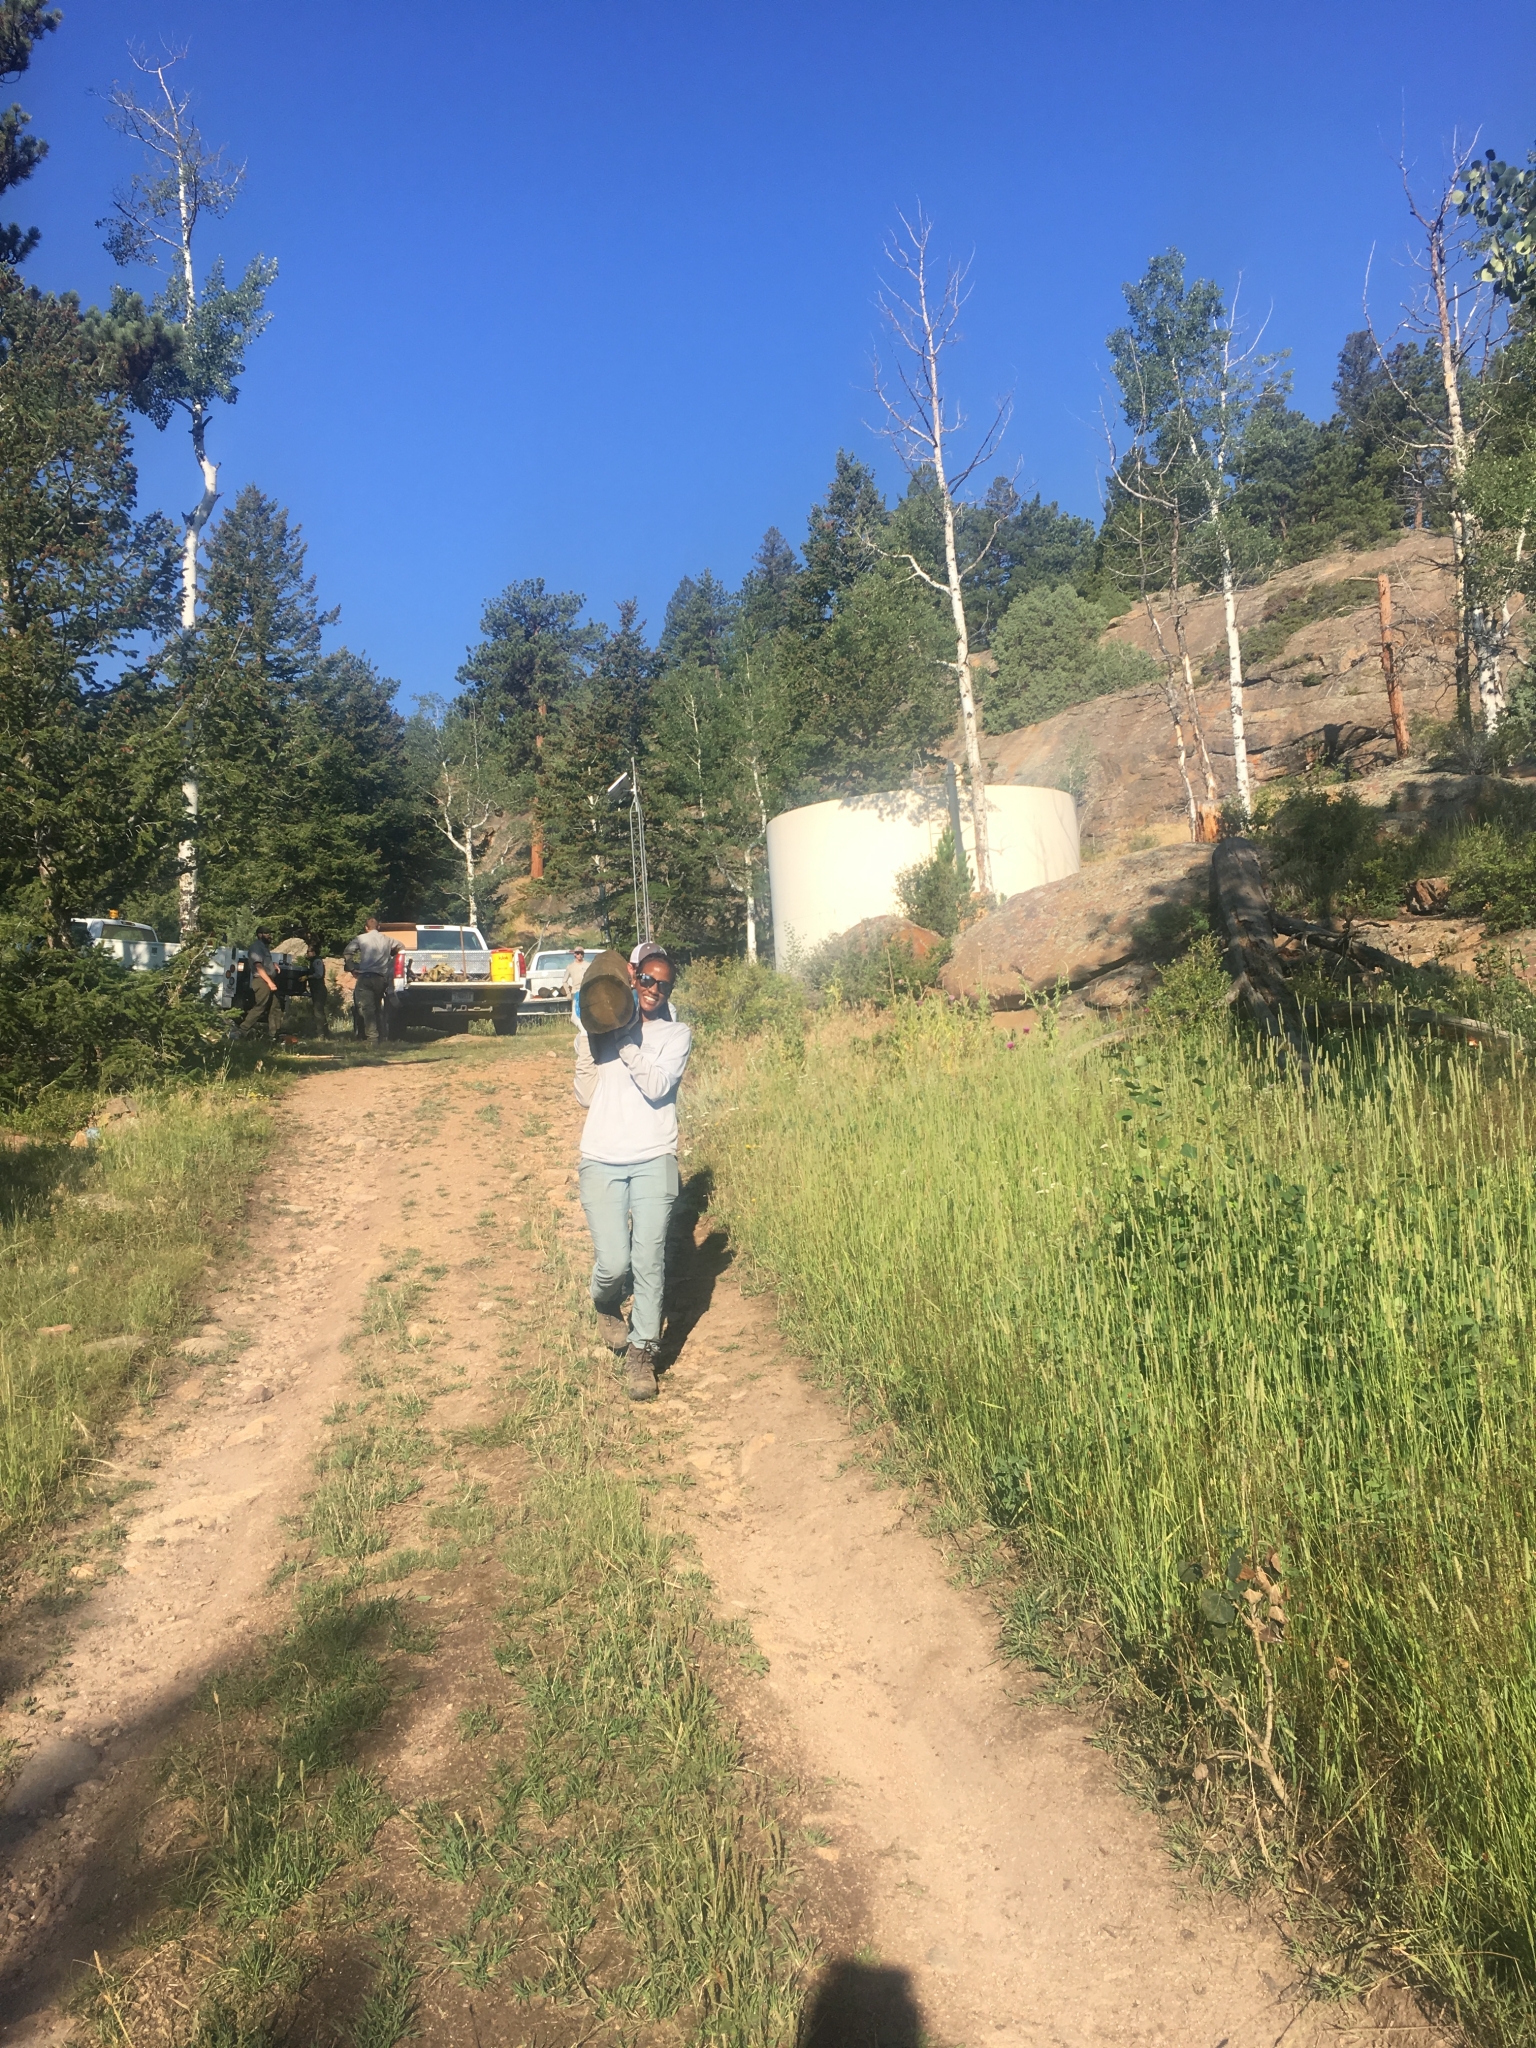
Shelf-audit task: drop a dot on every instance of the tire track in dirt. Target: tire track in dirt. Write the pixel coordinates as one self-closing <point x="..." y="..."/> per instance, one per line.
<point x="357" y="1165"/>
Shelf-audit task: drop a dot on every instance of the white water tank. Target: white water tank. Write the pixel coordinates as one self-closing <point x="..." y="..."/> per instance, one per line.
<point x="832" y="865"/>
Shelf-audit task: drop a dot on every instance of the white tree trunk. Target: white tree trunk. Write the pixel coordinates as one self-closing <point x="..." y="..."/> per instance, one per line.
<point x="751" y="916"/>
<point x="1235" y="683"/>
<point x="186" y="863"/>
<point x="1479" y="652"/>
<point x="968" y="725"/>
<point x="1173" y="713"/>
<point x="197" y="519"/>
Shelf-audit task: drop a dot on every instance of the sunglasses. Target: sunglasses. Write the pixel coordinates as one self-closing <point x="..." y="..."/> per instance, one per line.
<point x="654" y="981"/>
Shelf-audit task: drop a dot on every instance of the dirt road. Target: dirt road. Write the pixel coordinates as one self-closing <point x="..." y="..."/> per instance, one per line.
<point x="978" y="1845"/>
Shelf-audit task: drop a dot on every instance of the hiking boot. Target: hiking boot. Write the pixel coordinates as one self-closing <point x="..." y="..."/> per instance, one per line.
<point x="613" y="1330"/>
<point x="640" y="1372"/>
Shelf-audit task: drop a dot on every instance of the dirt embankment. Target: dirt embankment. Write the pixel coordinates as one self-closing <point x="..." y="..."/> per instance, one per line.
<point x="968" y="1863"/>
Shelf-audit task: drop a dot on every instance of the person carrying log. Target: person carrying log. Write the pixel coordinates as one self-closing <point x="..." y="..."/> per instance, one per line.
<point x="631" y="1054"/>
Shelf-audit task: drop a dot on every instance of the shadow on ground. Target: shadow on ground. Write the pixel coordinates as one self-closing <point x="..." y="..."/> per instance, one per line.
<point x="861" y="2005"/>
<point x="692" y="1267"/>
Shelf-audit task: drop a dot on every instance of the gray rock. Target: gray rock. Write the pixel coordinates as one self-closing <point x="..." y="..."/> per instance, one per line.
<point x="48" y="1774"/>
<point x="1079" y="928"/>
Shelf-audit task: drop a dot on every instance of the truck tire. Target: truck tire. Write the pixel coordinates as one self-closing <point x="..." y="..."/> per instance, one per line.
<point x="504" y="1020"/>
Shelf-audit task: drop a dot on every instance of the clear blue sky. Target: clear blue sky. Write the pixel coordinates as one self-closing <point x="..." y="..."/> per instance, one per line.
<point x="586" y="290"/>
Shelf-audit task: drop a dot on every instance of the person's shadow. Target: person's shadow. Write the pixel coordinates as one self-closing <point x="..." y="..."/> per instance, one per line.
<point x="861" y="2005"/>
<point x="692" y="1268"/>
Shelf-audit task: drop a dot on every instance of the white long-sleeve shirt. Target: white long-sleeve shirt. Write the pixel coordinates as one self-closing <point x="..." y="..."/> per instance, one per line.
<point x="627" y="1082"/>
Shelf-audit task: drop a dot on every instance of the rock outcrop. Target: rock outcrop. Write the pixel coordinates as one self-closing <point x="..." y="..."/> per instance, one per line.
<point x="889" y="931"/>
<point x="1315" y="699"/>
<point x="1113" y="915"/>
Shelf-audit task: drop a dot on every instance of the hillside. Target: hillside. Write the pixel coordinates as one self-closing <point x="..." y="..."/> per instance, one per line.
<point x="1315" y="696"/>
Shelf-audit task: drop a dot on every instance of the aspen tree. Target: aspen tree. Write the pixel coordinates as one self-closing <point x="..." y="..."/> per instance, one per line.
<point x="155" y="221"/>
<point x="922" y="312"/>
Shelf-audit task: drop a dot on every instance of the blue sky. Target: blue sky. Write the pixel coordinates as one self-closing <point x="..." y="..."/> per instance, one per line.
<point x="587" y="291"/>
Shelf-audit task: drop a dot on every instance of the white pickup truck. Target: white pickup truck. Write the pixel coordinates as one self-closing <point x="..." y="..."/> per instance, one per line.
<point x="546" y="974"/>
<point x="135" y="945"/>
<point x="448" y="975"/>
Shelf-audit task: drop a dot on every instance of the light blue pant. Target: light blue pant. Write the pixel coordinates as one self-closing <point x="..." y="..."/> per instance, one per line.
<point x="628" y="1210"/>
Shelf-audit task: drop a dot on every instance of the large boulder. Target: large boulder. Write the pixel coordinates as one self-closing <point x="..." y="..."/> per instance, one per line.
<point x="875" y="932"/>
<point x="1080" y="927"/>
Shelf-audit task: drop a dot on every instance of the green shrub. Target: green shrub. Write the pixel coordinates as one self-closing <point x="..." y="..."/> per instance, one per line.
<point x="1193" y="989"/>
<point x="1493" y="876"/>
<point x="739" y="999"/>
<point x="935" y="892"/>
<point x="1334" y="854"/>
<point x="1286" y="614"/>
<point x="78" y="1020"/>
<point x="874" y="970"/>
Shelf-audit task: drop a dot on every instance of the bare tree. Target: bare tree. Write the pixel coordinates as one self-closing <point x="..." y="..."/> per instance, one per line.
<point x="154" y="221"/>
<point x="1146" y="516"/>
<point x="465" y="790"/>
<point x="923" y="314"/>
<point x="1457" y="315"/>
<point x="1227" y="407"/>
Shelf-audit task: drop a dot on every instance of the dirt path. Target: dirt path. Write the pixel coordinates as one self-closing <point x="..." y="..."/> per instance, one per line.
<point x="977" y="1844"/>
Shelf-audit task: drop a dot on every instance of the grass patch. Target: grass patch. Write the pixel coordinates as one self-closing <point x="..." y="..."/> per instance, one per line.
<point x="1288" y="612"/>
<point x="100" y="1249"/>
<point x="1247" y="1377"/>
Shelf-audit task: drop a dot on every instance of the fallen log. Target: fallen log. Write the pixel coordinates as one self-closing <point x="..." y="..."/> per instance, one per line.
<point x="1460" y="1030"/>
<point x="1344" y="942"/>
<point x="1241" y="901"/>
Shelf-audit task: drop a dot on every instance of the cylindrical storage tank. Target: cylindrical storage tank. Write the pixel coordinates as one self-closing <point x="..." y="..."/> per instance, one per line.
<point x="832" y="865"/>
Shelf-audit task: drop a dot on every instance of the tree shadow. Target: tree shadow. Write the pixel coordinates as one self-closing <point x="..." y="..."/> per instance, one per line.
<point x="861" y="2005"/>
<point x="692" y="1267"/>
<point x="33" y="1175"/>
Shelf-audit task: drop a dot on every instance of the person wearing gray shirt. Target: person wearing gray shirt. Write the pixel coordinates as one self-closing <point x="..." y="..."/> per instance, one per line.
<point x="369" y="956"/>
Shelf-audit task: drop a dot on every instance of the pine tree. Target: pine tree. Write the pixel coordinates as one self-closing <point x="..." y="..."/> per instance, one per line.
<point x="307" y="815"/>
<point x="697" y="628"/>
<point x="600" y="728"/>
<point x="841" y="535"/>
<point x="771" y="594"/>
<point x="86" y="762"/>
<point x="23" y="24"/>
<point x="535" y="651"/>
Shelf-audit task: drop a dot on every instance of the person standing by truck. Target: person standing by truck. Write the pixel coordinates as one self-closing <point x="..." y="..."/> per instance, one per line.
<point x="571" y="985"/>
<point x="370" y="956"/>
<point x="631" y="1053"/>
<point x="266" y="1006"/>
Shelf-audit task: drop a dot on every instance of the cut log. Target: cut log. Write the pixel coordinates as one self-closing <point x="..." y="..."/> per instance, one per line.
<point x="1461" y="1030"/>
<point x="1241" y="900"/>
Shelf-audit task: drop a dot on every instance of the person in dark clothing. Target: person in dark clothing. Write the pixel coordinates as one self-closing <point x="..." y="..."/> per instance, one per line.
<point x="267" y="1008"/>
<point x="317" y="991"/>
<point x="370" y="957"/>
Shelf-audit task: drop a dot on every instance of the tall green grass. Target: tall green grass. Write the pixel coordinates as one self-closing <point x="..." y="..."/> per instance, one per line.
<point x="101" y="1248"/>
<point x="1161" y="1314"/>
